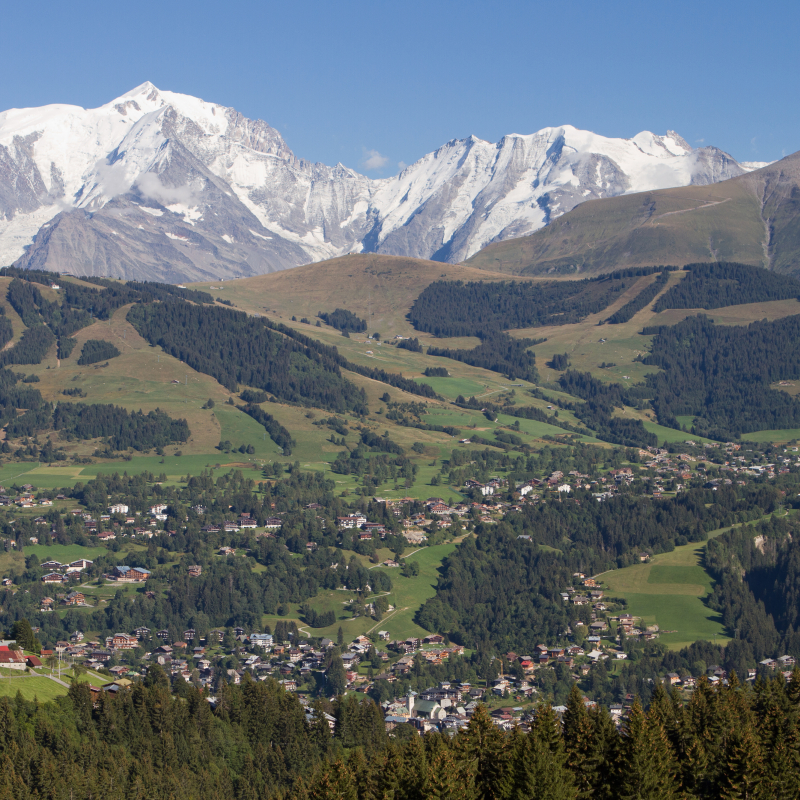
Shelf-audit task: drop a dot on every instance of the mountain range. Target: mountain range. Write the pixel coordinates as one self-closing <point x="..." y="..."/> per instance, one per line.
<point x="163" y="186"/>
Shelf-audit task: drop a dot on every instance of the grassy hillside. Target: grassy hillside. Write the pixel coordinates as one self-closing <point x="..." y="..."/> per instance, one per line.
<point x="752" y="219"/>
<point x="377" y="288"/>
<point x="144" y="377"/>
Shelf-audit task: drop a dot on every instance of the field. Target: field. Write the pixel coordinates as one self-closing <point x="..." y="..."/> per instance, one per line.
<point x="32" y="688"/>
<point x="777" y="436"/>
<point x="65" y="553"/>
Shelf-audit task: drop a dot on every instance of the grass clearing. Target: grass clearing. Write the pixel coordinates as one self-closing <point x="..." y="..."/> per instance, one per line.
<point x="65" y="553"/>
<point x="453" y="387"/>
<point x="378" y="288"/>
<point x="780" y="436"/>
<point x="33" y="687"/>
<point x="669" y="591"/>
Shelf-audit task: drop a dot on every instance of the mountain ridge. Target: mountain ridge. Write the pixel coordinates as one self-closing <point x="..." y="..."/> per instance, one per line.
<point x="751" y="219"/>
<point x="166" y="186"/>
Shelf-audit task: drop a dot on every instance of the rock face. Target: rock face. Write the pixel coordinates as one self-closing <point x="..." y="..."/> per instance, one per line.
<point x="162" y="186"/>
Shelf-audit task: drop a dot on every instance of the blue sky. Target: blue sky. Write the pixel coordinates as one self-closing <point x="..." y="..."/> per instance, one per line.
<point x="374" y="84"/>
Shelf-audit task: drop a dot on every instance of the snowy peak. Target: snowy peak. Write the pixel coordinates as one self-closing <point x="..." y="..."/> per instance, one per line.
<point x="214" y="193"/>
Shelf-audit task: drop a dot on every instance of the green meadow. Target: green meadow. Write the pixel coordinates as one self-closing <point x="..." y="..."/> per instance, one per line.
<point x="34" y="687"/>
<point x="65" y="553"/>
<point x="669" y="591"/>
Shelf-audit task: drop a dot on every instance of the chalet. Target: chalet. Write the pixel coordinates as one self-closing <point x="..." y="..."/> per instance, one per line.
<point x="195" y="571"/>
<point x="273" y="523"/>
<point x="118" y="508"/>
<point x="142" y="634"/>
<point x="123" y="641"/>
<point x="263" y="640"/>
<point x="127" y="574"/>
<point x="158" y="509"/>
<point x="351" y="521"/>
<point x="51" y="565"/>
<point x="227" y="551"/>
<point x="81" y="563"/>
<point x="189" y="635"/>
<point x="163" y="635"/>
<point x="53" y="577"/>
<point x="11" y="659"/>
<point x="100" y="655"/>
<point x="106" y="536"/>
<point x="374" y="527"/>
<point x="75" y="599"/>
<point x="247" y="522"/>
<point x="230" y="527"/>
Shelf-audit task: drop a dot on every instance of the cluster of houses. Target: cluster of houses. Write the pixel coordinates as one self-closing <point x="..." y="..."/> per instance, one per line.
<point x="24" y="498"/>
<point x="56" y="572"/>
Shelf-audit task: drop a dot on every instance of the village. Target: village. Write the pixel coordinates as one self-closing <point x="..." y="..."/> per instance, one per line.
<point x="374" y="664"/>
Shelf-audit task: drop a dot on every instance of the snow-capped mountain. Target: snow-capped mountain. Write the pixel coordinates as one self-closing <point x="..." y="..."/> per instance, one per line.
<point x="165" y="186"/>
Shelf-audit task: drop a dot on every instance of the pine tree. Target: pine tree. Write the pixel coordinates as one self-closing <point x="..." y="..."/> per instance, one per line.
<point x="583" y="756"/>
<point x="743" y="766"/>
<point x="336" y="783"/>
<point x="412" y="770"/>
<point x="539" y="770"/>
<point x="645" y="769"/>
<point x="483" y="752"/>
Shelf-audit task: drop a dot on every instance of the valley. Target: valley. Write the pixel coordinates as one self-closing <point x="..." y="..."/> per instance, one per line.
<point x="346" y="514"/>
